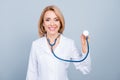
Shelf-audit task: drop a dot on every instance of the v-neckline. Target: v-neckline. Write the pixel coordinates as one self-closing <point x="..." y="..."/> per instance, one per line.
<point x="55" y="49"/>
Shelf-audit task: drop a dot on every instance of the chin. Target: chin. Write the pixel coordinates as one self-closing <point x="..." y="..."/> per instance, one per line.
<point x="53" y="32"/>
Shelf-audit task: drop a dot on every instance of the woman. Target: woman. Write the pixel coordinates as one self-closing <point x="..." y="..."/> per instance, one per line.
<point x="42" y="64"/>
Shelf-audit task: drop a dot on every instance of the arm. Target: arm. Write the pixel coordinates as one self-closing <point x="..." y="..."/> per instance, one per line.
<point x="84" y="43"/>
<point x="32" y="66"/>
<point x="84" y="66"/>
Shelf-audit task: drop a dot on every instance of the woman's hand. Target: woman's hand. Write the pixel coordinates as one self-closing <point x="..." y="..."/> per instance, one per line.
<point x="84" y="43"/>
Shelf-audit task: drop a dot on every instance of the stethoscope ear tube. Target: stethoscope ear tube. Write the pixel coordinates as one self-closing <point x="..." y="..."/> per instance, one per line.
<point x="66" y="60"/>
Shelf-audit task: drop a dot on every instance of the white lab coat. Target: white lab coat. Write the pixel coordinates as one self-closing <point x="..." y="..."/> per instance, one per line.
<point x="44" y="66"/>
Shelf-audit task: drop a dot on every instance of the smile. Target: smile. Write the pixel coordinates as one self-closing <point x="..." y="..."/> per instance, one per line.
<point x="52" y="28"/>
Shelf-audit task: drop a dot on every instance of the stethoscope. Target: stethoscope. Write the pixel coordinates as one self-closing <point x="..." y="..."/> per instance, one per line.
<point x="85" y="33"/>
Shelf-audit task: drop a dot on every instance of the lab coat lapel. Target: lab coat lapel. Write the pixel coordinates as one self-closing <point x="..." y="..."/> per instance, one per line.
<point x="45" y="46"/>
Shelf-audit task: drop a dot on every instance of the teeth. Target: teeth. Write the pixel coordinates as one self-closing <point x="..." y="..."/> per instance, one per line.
<point x="52" y="28"/>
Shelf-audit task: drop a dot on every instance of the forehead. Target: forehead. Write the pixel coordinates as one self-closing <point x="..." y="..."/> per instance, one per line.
<point x="50" y="13"/>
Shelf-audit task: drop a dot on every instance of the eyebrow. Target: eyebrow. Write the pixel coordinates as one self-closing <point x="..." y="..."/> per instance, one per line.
<point x="50" y="18"/>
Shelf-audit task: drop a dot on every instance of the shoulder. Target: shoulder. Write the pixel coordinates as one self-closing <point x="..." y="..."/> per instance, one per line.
<point x="67" y="40"/>
<point x="67" y="43"/>
<point x="38" y="41"/>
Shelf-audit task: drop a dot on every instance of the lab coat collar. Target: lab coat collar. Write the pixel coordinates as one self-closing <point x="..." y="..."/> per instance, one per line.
<point x="46" y="45"/>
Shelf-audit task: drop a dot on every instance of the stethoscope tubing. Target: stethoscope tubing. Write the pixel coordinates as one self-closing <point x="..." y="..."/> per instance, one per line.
<point x="66" y="60"/>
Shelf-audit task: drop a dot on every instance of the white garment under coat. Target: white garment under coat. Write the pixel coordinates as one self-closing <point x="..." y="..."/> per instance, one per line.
<point x="44" y="66"/>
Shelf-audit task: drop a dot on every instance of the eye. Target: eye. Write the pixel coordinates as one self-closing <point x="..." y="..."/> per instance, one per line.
<point x="56" y="19"/>
<point x="47" y="19"/>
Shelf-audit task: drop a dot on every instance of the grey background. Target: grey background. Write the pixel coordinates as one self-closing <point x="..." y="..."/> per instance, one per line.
<point x="18" y="28"/>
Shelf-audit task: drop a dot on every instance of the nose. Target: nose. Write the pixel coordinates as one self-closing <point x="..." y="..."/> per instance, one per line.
<point x="52" y="23"/>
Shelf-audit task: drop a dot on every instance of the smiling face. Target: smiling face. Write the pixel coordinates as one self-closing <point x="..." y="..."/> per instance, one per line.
<point x="51" y="23"/>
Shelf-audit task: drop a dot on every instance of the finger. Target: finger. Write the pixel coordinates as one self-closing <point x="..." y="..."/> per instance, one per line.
<point x="82" y="36"/>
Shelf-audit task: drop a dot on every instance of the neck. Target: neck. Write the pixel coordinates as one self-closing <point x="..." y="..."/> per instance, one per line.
<point x="52" y="37"/>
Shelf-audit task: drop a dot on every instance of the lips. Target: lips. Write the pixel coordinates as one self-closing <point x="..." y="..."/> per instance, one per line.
<point x="51" y="28"/>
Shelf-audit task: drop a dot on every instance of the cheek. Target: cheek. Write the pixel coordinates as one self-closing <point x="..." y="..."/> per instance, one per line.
<point x="46" y="28"/>
<point x="58" y="25"/>
<point x="45" y="23"/>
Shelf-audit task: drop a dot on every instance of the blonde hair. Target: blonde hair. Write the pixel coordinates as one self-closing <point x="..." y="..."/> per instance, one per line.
<point x="41" y="29"/>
